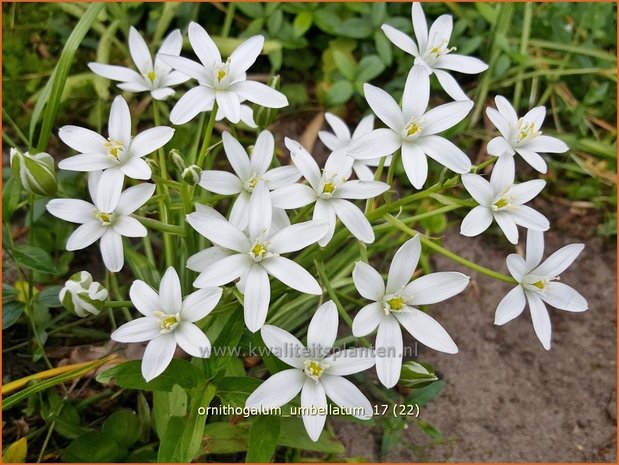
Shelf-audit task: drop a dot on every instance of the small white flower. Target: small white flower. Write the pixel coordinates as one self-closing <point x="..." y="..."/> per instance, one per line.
<point x="223" y="82"/>
<point x="538" y="283"/>
<point x="82" y="295"/>
<point x="108" y="219"/>
<point x="521" y="135"/>
<point x="168" y="320"/>
<point x="394" y="305"/>
<point x="330" y="191"/>
<point x="256" y="254"/>
<point x="502" y="200"/>
<point x="432" y="50"/>
<point x="315" y="373"/>
<point x="249" y="171"/>
<point x="342" y="138"/>
<point x="119" y="155"/>
<point x="413" y="129"/>
<point x="155" y="77"/>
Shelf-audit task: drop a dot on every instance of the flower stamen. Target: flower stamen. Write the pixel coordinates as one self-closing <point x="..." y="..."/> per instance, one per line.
<point x="114" y="148"/>
<point x="315" y="369"/>
<point x="167" y="322"/>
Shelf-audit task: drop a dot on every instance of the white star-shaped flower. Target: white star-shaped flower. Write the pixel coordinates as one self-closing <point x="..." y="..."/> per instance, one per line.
<point x="521" y="135"/>
<point x="413" y="129"/>
<point x="538" y="283"/>
<point x="154" y="77"/>
<point x="108" y="219"/>
<point x="314" y="372"/>
<point x="256" y="254"/>
<point x="502" y="200"/>
<point x="394" y="305"/>
<point x="168" y="321"/>
<point x="222" y="81"/>
<point x="249" y="171"/>
<point x="120" y="154"/>
<point x="330" y="191"/>
<point x="432" y="51"/>
<point x="342" y="138"/>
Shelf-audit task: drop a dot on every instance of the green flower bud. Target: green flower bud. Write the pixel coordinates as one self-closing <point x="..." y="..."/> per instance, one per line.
<point x="35" y="172"/>
<point x="417" y="375"/>
<point x="178" y="160"/>
<point x="265" y="116"/>
<point x="154" y="166"/>
<point x="192" y="175"/>
<point x="82" y="296"/>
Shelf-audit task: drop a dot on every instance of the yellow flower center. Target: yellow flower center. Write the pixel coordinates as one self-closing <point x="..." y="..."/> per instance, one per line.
<point x="221" y="74"/>
<point x="259" y="250"/>
<point x="414" y="128"/>
<point x="501" y="203"/>
<point x="315" y="369"/>
<point x="167" y="322"/>
<point x="525" y="131"/>
<point x="396" y="303"/>
<point x="441" y="49"/>
<point x="328" y="188"/>
<point x="540" y="284"/>
<point x="151" y="75"/>
<point x="114" y="148"/>
<point x="105" y="218"/>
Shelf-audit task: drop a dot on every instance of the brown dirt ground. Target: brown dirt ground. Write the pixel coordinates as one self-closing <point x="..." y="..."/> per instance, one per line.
<point x="506" y="398"/>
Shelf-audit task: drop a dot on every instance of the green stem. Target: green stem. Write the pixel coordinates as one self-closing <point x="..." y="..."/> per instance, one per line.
<point x="160" y="226"/>
<point x="524" y="44"/>
<point x="207" y="136"/>
<point x="117" y="303"/>
<point x="447" y="253"/>
<point x="118" y="295"/>
<point x="225" y="29"/>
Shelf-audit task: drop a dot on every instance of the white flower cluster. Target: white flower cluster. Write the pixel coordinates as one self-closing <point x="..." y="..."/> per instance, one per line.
<point x="250" y="245"/>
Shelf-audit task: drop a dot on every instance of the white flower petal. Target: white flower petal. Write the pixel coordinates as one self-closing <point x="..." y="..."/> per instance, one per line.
<point x="476" y="221"/>
<point x="112" y="250"/>
<point x="526" y="191"/>
<point x="283" y="345"/>
<point x="133" y="198"/>
<point x="403" y="265"/>
<point x="86" y="162"/>
<point x="223" y="271"/>
<point x="262" y="154"/>
<point x="129" y="227"/>
<point x="559" y="261"/>
<point x="445" y="116"/>
<point x="260" y="94"/>
<point x="339" y="163"/>
<point x="350" y="361"/>
<point x="260" y="212"/>
<point x="436" y="287"/>
<point x="292" y="275"/>
<point x="384" y="107"/>
<point x="133" y="86"/>
<point x="479" y="188"/>
<point x="365" y="126"/>
<point x="192" y="340"/>
<point x="245" y="55"/>
<point x="237" y="156"/>
<point x="281" y="176"/>
<point x="461" y="64"/>
<point x="339" y="127"/>
<point x="313" y="398"/>
<point x="325" y="213"/>
<point x="239" y="215"/>
<point x="322" y="329"/>
<point x="257" y="294"/>
<point x="119" y="124"/>
<point x="504" y="128"/>
<point x="219" y="232"/>
<point x="354" y="220"/>
<point x="506" y="110"/>
<point x="278" y="390"/>
<point x="503" y="173"/>
<point x="510" y="306"/>
<point x="377" y="143"/>
<point x="440" y="31"/>
<point x="540" y="318"/>
<point x="360" y="189"/>
<point x="367" y="319"/>
<point x="185" y="66"/>
<point x="73" y="210"/>
<point x="400" y="40"/>
<point x="221" y="182"/>
<point x="150" y="140"/>
<point x="158" y="355"/>
<point x="536" y="116"/>
<point x="420" y="26"/>
<point x="363" y="172"/>
<point x="230" y="105"/>
<point x="138" y="330"/>
<point x="85" y="235"/>
<point x="499" y="147"/>
<point x="535" y="248"/>
<point x="293" y="196"/>
<point x="297" y="236"/>
<point x="331" y="141"/>
<point x="172" y="44"/>
<point x="200" y="303"/>
<point x="195" y="101"/>
<point x="450" y="85"/>
<point x="507" y="225"/>
<point x="304" y="162"/>
<point x="139" y="51"/>
<point x="547" y="144"/>
<point x="203" y="45"/>
<point x="517" y="266"/>
<point x="203" y="259"/>
<point x="368" y="281"/>
<point x="135" y="168"/>
<point x="416" y="92"/>
<point x="427" y="330"/>
<point x="415" y="164"/>
<point x="115" y="73"/>
<point x="529" y="218"/>
<point x="162" y="93"/>
<point x="534" y="159"/>
<point x="108" y="191"/>
<point x="347" y="395"/>
<point x="446" y="153"/>
<point x="564" y="297"/>
<point x="170" y="293"/>
<point x="389" y="347"/>
<point x="145" y="299"/>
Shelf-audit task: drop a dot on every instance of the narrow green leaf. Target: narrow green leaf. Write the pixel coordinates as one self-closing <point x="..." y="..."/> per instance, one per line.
<point x="34" y="258"/>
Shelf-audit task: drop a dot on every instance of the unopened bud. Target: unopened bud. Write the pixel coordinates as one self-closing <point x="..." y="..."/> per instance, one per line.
<point x="264" y="116"/>
<point x="82" y="296"/>
<point x="417" y="375"/>
<point x="35" y="172"/>
<point x="192" y="174"/>
<point x="178" y="160"/>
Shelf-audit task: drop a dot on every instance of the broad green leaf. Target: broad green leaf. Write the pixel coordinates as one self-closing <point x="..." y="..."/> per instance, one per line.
<point x="339" y="93"/>
<point x="293" y="434"/>
<point x="423" y="396"/>
<point x="355" y="28"/>
<point x="48" y="297"/>
<point x="369" y="67"/>
<point x="226" y="438"/>
<point x="95" y="446"/>
<point x="11" y="312"/>
<point x="167" y="405"/>
<point x="302" y="22"/>
<point x="263" y="438"/>
<point x="251" y="9"/>
<point x="235" y="390"/>
<point x="345" y="64"/>
<point x="129" y="375"/>
<point x="34" y="258"/>
<point x="124" y="425"/>
<point x="11" y="194"/>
